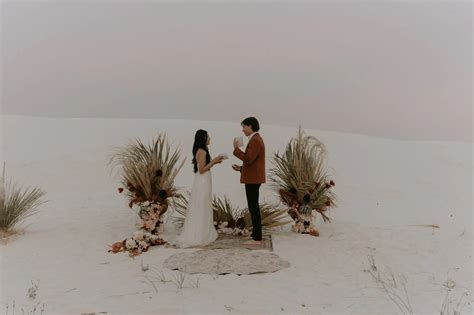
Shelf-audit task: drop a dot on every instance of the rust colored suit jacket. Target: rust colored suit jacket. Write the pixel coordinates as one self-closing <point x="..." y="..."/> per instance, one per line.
<point x="253" y="168"/>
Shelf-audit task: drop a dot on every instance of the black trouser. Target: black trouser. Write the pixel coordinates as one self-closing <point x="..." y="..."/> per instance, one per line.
<point x="252" y="191"/>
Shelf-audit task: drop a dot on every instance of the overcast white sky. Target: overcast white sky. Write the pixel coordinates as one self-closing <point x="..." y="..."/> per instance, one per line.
<point x="398" y="69"/>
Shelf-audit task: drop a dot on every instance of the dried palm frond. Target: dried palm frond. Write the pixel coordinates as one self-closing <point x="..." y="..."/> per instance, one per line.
<point x="272" y="216"/>
<point x="300" y="177"/>
<point x="18" y="204"/>
<point x="301" y="165"/>
<point x="223" y="211"/>
<point x="148" y="171"/>
<point x="180" y="205"/>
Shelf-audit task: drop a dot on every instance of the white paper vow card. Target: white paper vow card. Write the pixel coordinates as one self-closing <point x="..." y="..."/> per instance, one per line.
<point x="240" y="141"/>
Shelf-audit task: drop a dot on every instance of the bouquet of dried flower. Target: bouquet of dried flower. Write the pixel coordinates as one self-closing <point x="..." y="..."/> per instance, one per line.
<point x="300" y="178"/>
<point x="147" y="174"/>
<point x="147" y="235"/>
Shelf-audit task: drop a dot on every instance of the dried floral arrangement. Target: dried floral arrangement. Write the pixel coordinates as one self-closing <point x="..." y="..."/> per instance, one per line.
<point x="147" y="175"/>
<point x="300" y="178"/>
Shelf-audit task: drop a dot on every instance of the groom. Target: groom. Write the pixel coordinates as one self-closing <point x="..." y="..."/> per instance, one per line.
<point x="252" y="173"/>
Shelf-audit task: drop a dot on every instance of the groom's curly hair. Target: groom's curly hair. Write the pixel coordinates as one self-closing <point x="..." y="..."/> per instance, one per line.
<point x="252" y="122"/>
<point x="200" y="142"/>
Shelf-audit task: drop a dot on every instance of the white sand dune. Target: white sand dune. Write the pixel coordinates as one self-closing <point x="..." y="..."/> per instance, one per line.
<point x="389" y="190"/>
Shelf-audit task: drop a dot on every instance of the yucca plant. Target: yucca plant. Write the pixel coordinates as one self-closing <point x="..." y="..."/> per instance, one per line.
<point x="299" y="176"/>
<point x="17" y="204"/>
<point x="224" y="211"/>
<point x="148" y="171"/>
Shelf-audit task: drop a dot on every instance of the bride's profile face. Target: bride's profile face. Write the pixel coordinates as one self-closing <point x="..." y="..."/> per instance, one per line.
<point x="208" y="140"/>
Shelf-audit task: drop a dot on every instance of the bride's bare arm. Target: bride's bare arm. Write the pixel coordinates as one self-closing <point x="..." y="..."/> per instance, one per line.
<point x="201" y="161"/>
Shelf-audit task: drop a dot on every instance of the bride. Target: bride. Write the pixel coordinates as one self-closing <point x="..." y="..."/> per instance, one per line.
<point x="198" y="226"/>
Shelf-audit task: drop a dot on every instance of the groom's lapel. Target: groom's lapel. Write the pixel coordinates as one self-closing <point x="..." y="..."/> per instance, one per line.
<point x="254" y="138"/>
<point x="250" y="141"/>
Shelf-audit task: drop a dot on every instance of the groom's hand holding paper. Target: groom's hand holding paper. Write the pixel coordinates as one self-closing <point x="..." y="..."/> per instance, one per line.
<point x="238" y="142"/>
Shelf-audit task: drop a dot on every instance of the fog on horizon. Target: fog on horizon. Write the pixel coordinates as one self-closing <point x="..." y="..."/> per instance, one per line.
<point x="393" y="69"/>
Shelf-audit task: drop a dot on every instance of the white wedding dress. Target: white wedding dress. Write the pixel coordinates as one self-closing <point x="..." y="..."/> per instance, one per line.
<point x="198" y="228"/>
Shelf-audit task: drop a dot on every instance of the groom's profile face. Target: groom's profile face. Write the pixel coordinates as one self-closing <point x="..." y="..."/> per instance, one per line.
<point x="247" y="130"/>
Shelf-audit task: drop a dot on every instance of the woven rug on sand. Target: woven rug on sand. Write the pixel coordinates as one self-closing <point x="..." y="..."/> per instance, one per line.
<point x="238" y="261"/>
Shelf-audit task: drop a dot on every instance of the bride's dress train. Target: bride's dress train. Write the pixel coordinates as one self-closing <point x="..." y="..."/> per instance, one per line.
<point x="198" y="228"/>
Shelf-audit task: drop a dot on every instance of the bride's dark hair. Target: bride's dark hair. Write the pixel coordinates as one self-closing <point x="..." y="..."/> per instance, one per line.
<point x="200" y="142"/>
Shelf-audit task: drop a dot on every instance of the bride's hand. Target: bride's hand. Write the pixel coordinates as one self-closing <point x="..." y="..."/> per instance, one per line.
<point x="217" y="160"/>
